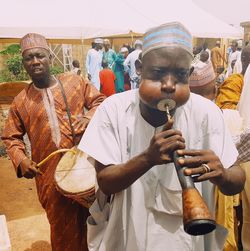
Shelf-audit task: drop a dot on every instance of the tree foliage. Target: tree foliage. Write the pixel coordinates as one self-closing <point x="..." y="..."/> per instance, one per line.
<point x="14" y="67"/>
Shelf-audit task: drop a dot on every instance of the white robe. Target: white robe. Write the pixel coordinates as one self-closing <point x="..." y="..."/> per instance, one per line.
<point x="244" y="102"/>
<point x="129" y="66"/>
<point x="236" y="55"/>
<point x="94" y="66"/>
<point x="148" y="215"/>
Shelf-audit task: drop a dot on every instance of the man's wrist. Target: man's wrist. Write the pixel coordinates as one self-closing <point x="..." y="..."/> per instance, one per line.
<point x="19" y="169"/>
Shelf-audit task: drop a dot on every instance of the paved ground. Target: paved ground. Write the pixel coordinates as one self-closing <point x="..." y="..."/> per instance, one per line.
<point x="27" y="223"/>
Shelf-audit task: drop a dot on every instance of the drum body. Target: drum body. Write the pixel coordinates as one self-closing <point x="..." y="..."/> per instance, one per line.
<point x="75" y="177"/>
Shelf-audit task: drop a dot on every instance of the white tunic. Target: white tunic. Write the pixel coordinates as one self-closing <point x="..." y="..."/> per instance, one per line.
<point x="94" y="66"/>
<point x="129" y="65"/>
<point x="148" y="215"/>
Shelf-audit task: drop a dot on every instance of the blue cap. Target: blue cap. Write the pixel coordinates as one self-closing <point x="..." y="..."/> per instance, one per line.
<point x="169" y="34"/>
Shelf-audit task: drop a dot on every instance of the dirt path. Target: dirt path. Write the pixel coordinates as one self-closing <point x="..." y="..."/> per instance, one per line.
<point x="27" y="224"/>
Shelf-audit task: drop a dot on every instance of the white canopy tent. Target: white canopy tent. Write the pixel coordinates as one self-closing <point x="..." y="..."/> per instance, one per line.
<point x="82" y="19"/>
<point x="232" y="13"/>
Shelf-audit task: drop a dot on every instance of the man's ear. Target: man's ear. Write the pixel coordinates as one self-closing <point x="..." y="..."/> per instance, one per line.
<point x="191" y="70"/>
<point x="50" y="58"/>
<point x="215" y="89"/>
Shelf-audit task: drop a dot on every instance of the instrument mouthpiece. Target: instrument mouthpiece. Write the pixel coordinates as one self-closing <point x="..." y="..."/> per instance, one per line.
<point x="166" y="104"/>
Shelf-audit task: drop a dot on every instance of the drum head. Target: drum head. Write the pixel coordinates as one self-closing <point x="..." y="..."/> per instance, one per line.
<point x="74" y="173"/>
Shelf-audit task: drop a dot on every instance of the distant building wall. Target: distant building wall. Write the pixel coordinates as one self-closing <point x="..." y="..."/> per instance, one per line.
<point x="81" y="47"/>
<point x="246" y="26"/>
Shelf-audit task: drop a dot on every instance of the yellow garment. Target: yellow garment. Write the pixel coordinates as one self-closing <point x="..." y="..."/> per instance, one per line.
<point x="225" y="216"/>
<point x="245" y="196"/>
<point x="229" y="92"/>
<point x="228" y="98"/>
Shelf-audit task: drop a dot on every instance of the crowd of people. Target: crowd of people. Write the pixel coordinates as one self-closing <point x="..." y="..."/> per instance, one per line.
<point x="224" y="64"/>
<point x="120" y="72"/>
<point x="180" y="111"/>
<point x="224" y="87"/>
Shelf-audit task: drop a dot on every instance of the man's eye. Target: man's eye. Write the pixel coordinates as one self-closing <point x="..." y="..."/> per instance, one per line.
<point x="157" y="72"/>
<point x="27" y="58"/>
<point x="182" y="74"/>
<point x="41" y="56"/>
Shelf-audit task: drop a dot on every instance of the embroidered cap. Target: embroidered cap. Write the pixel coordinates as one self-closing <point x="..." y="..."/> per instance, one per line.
<point x="106" y="41"/>
<point x="98" y="41"/>
<point x="124" y="49"/>
<point x="202" y="74"/>
<point x="138" y="42"/>
<point x="169" y="34"/>
<point x="33" y="40"/>
<point x="240" y="43"/>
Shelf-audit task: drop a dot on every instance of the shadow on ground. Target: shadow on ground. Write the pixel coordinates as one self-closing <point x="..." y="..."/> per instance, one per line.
<point x="27" y="223"/>
<point x="18" y="197"/>
<point x="39" y="246"/>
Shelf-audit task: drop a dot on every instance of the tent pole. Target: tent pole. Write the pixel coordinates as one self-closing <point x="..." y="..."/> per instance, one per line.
<point x="224" y="49"/>
<point x="82" y="52"/>
<point x="132" y="38"/>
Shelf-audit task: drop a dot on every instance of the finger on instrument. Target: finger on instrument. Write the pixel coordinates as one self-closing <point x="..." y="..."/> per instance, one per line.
<point x="169" y="133"/>
<point x="194" y="171"/>
<point x="190" y="152"/>
<point x="205" y="176"/>
<point x="39" y="172"/>
<point x="192" y="162"/>
<point x="172" y="146"/>
<point x="35" y="170"/>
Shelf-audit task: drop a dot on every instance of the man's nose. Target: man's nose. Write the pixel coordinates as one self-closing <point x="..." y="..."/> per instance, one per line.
<point x="168" y="83"/>
<point x="35" y="60"/>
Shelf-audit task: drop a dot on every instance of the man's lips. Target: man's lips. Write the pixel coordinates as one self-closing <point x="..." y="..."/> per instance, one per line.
<point x="36" y="70"/>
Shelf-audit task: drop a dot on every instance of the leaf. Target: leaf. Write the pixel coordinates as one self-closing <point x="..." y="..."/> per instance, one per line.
<point x="11" y="50"/>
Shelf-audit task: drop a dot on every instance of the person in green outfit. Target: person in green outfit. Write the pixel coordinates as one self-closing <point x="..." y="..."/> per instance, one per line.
<point x="119" y="69"/>
<point x="109" y="54"/>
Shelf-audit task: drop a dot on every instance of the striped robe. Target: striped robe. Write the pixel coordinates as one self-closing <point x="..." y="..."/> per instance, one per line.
<point x="42" y="114"/>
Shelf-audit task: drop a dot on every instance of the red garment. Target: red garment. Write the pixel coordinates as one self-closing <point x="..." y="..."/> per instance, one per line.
<point x="107" y="82"/>
<point x="127" y="85"/>
<point x="31" y="113"/>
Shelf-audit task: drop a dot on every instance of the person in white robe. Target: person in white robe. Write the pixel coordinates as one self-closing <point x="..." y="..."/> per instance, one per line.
<point x="129" y="64"/>
<point x="133" y="142"/>
<point x="94" y="62"/>
<point x="234" y="56"/>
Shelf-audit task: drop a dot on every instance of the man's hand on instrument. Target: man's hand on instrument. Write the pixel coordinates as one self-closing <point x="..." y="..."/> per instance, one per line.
<point x="28" y="168"/>
<point x="163" y="144"/>
<point x="203" y="165"/>
<point x="80" y="124"/>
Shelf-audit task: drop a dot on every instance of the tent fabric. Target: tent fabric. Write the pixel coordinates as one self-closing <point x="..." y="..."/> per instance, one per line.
<point x="61" y="32"/>
<point x="82" y="19"/>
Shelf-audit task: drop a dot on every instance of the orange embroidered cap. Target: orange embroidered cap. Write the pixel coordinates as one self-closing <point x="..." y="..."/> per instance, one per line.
<point x="33" y="40"/>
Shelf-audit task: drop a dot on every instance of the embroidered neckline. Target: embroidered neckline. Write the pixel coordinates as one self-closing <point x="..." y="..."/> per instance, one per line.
<point x="51" y="87"/>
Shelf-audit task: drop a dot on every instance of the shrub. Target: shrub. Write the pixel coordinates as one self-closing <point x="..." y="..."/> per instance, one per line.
<point x="56" y="70"/>
<point x="15" y="70"/>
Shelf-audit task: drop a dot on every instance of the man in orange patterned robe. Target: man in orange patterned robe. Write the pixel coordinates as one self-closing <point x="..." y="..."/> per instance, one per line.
<point x="40" y="111"/>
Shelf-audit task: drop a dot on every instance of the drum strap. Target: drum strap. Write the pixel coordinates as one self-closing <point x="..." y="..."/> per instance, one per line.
<point x="67" y="109"/>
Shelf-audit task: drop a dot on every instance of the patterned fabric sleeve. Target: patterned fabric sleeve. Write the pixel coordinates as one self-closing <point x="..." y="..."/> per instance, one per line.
<point x="244" y="147"/>
<point x="13" y="137"/>
<point x="93" y="98"/>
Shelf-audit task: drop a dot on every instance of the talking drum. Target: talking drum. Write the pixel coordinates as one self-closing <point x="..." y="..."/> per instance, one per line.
<point x="75" y="177"/>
